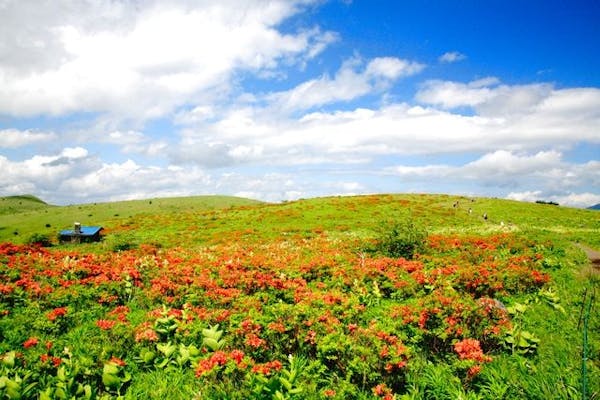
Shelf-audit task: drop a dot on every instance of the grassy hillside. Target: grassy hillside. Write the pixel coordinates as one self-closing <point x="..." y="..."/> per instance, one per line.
<point x="199" y="220"/>
<point x="20" y="204"/>
<point x="220" y="297"/>
<point x="23" y="216"/>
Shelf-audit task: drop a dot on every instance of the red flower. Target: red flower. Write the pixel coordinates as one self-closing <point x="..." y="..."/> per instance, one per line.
<point x="254" y="341"/>
<point x="329" y="393"/>
<point x="57" y="312"/>
<point x="219" y="358"/>
<point x="117" y="361"/>
<point x="265" y="369"/>
<point x="474" y="370"/>
<point x="470" y="349"/>
<point x="237" y="356"/>
<point x="311" y="337"/>
<point x="105" y="324"/>
<point x="32" y="341"/>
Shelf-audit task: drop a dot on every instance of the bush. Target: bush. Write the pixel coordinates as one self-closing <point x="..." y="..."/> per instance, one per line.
<point x="40" y="239"/>
<point x="122" y="242"/>
<point x="401" y="238"/>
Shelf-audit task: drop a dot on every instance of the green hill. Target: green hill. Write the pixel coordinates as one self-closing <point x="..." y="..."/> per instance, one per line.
<point x="209" y="219"/>
<point x="223" y="297"/>
<point x="20" y="204"/>
<point x="23" y="216"/>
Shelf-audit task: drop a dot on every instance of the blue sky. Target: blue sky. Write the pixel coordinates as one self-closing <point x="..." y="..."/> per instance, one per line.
<point x="279" y="100"/>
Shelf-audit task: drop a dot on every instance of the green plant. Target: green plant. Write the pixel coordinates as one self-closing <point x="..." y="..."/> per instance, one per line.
<point x="69" y="382"/>
<point x="282" y="386"/>
<point x="15" y="382"/>
<point x="212" y="338"/>
<point x="114" y="377"/>
<point x="402" y="238"/>
<point x="40" y="239"/>
<point x="517" y="339"/>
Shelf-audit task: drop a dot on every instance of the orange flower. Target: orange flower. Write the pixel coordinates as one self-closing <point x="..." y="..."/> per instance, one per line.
<point x="32" y="341"/>
<point x="105" y="324"/>
<point x="470" y="349"/>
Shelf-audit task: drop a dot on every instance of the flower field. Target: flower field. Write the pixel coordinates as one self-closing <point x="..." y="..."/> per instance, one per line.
<point x="248" y="314"/>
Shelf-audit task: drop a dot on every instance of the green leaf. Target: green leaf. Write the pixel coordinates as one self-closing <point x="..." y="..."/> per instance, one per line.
<point x="8" y="359"/>
<point x="167" y="349"/>
<point x="212" y="343"/>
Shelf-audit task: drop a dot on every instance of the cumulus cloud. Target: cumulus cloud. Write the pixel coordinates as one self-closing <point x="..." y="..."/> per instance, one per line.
<point x="581" y="200"/>
<point x="186" y="85"/>
<point x="12" y="138"/>
<point x="45" y="173"/>
<point x="508" y="171"/>
<point x="353" y="80"/>
<point x="73" y="176"/>
<point x="135" y="142"/>
<point x="513" y="118"/>
<point x="489" y="98"/>
<point x="141" y="61"/>
<point x="451" y="57"/>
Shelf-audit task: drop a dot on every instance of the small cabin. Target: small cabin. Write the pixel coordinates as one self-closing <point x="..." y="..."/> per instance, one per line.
<point x="80" y="234"/>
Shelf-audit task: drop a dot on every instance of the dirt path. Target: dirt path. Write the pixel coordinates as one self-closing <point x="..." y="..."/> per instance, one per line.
<point x="593" y="256"/>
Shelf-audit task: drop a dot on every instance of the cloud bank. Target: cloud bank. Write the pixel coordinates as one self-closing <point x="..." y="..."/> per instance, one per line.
<point x="106" y="100"/>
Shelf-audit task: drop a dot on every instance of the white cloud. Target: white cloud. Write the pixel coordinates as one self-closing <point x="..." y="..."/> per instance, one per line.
<point x="488" y="98"/>
<point x="142" y="61"/>
<point x="349" y="83"/>
<point x="515" y="118"/>
<point x="135" y="142"/>
<point x="12" y="138"/>
<point x="546" y="171"/>
<point x="451" y="56"/>
<point x="44" y="173"/>
<point x="581" y="200"/>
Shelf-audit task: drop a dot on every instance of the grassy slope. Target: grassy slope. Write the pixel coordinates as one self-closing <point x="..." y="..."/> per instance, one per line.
<point x="198" y="220"/>
<point x="208" y="220"/>
<point x="19" y="204"/>
<point x="26" y="216"/>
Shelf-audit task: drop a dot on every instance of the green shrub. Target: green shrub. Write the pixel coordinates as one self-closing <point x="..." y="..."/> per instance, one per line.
<point x="401" y="238"/>
<point x="121" y="242"/>
<point x="40" y="239"/>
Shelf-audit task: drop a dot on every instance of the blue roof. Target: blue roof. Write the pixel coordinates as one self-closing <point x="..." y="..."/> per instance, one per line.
<point x="85" y="231"/>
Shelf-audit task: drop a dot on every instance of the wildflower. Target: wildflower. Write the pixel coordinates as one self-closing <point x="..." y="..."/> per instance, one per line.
<point x="105" y="324"/>
<point x="237" y="356"/>
<point x="117" y="361"/>
<point x="254" y="341"/>
<point x="57" y="312"/>
<point x="32" y="341"/>
<point x="265" y="369"/>
<point x="219" y="358"/>
<point x="329" y="393"/>
<point x="382" y="390"/>
<point x="277" y="327"/>
<point x="474" y="370"/>
<point x="146" y="334"/>
<point x="311" y="337"/>
<point x="204" y="366"/>
<point x="470" y="349"/>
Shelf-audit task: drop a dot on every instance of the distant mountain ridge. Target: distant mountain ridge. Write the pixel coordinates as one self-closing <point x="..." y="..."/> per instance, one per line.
<point x="596" y="207"/>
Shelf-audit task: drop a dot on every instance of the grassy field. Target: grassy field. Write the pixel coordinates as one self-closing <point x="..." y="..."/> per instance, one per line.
<point x="220" y="297"/>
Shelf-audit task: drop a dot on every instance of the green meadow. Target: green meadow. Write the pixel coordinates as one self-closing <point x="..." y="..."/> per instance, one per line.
<point x="221" y="297"/>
